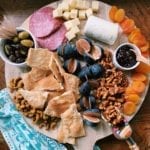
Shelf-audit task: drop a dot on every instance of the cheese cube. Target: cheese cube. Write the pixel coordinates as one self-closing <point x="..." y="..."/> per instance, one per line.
<point x="95" y="6"/>
<point x="82" y="14"/>
<point x="76" y="21"/>
<point x="64" y="6"/>
<point x="75" y="30"/>
<point x="70" y="35"/>
<point x="89" y="12"/>
<point x="57" y="13"/>
<point x="66" y="15"/>
<point x="72" y="4"/>
<point x="68" y="25"/>
<point x="82" y="4"/>
<point x="73" y="13"/>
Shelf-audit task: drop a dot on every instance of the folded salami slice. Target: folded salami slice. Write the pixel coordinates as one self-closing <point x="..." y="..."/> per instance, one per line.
<point x="53" y="41"/>
<point x="42" y="22"/>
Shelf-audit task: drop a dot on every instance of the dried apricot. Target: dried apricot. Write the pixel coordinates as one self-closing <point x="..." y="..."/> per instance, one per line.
<point x="133" y="98"/>
<point x="119" y="15"/>
<point x="127" y="25"/>
<point x="129" y="108"/>
<point x="133" y="34"/>
<point x="139" y="77"/>
<point x="129" y="90"/>
<point x="143" y="68"/>
<point x="112" y="12"/>
<point x="139" y="40"/>
<point x="145" y="47"/>
<point x="138" y="86"/>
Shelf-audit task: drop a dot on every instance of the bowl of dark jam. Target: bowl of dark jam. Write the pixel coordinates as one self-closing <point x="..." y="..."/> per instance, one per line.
<point x="125" y="56"/>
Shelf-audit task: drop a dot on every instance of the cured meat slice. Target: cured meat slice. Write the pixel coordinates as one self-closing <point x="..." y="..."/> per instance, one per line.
<point x="53" y="41"/>
<point x="42" y="22"/>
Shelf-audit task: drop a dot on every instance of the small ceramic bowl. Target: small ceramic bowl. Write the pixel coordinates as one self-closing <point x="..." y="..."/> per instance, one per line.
<point x="3" y="55"/>
<point x="115" y="61"/>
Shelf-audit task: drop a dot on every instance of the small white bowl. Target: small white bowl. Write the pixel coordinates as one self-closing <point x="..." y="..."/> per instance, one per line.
<point x="3" y="55"/>
<point x="115" y="62"/>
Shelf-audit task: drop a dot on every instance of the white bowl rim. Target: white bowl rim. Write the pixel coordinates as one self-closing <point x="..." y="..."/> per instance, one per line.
<point x="116" y="50"/>
<point x="6" y="60"/>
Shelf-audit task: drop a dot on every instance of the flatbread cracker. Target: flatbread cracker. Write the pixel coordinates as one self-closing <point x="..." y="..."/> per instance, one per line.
<point x="30" y="78"/>
<point x="71" y="126"/>
<point x="39" y="58"/>
<point x="59" y="104"/>
<point x="71" y="82"/>
<point x="36" y="99"/>
<point x="48" y="83"/>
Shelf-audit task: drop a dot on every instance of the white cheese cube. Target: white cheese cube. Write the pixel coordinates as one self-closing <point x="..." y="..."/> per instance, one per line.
<point x="73" y="13"/>
<point x="64" y="6"/>
<point x="75" y="21"/>
<point x="89" y="12"/>
<point x="66" y="15"/>
<point x="75" y="30"/>
<point x="70" y="35"/>
<point x="72" y="4"/>
<point x="57" y="13"/>
<point x="95" y="6"/>
<point x="68" y="25"/>
<point x="82" y="14"/>
<point x="82" y="4"/>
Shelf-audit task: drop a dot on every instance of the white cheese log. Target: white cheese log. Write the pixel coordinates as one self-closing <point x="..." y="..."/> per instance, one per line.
<point x="101" y="30"/>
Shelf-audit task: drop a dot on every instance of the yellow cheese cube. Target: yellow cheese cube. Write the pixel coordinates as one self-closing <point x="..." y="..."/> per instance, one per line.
<point x="82" y="14"/>
<point x="57" y="13"/>
<point x="66" y="15"/>
<point x="75" y="30"/>
<point x="89" y="12"/>
<point x="70" y="35"/>
<point x="73" y="13"/>
<point x="95" y="6"/>
<point x="72" y="4"/>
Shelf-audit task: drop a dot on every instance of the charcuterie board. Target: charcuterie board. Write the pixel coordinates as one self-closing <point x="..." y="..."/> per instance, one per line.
<point x="92" y="133"/>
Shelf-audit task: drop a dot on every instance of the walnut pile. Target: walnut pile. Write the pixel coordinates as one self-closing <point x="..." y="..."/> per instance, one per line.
<point x="38" y="117"/>
<point x="111" y="90"/>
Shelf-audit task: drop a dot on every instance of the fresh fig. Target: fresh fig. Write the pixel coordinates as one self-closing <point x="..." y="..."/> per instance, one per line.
<point x="72" y="65"/>
<point x="85" y="89"/>
<point x="83" y="46"/>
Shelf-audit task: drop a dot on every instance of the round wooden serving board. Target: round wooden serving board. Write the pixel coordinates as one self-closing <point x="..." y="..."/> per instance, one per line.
<point x="92" y="134"/>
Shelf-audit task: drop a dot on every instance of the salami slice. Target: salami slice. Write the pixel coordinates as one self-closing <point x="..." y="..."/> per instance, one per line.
<point x="42" y="23"/>
<point x="53" y="41"/>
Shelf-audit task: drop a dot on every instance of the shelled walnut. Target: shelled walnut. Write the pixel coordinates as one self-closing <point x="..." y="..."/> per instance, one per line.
<point x="111" y="90"/>
<point x="15" y="84"/>
<point x="38" y="117"/>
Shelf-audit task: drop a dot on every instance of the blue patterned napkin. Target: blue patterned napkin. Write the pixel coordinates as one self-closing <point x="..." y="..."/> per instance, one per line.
<point x="17" y="133"/>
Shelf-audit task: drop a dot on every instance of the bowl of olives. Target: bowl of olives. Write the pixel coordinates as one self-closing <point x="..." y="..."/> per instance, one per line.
<point x="14" y="50"/>
<point x="125" y="56"/>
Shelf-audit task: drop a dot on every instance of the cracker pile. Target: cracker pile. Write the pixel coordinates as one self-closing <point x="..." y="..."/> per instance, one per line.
<point x="47" y="93"/>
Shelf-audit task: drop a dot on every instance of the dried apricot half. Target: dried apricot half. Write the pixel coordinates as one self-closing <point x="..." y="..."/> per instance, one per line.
<point x="112" y="12"/>
<point x="129" y="108"/>
<point x="119" y="15"/>
<point x="133" y="98"/>
<point x="139" y="77"/>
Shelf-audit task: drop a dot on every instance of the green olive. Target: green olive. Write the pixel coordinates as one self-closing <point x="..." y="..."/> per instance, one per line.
<point x="7" y="49"/>
<point x="27" y="43"/>
<point x="23" y="35"/>
<point x="15" y="39"/>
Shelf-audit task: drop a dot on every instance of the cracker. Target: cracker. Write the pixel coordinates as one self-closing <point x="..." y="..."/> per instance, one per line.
<point x="39" y="58"/>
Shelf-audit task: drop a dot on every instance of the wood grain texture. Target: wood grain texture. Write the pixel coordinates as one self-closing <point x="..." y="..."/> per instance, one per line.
<point x="139" y="10"/>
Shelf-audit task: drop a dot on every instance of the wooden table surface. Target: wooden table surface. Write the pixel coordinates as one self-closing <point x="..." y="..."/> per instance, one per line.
<point x="139" y="10"/>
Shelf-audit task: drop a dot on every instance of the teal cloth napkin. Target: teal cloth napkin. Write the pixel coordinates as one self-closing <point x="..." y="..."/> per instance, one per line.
<point x="17" y="133"/>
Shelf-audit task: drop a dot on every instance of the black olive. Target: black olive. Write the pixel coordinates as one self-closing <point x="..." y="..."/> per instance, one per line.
<point x="20" y="60"/>
<point x="12" y="58"/>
